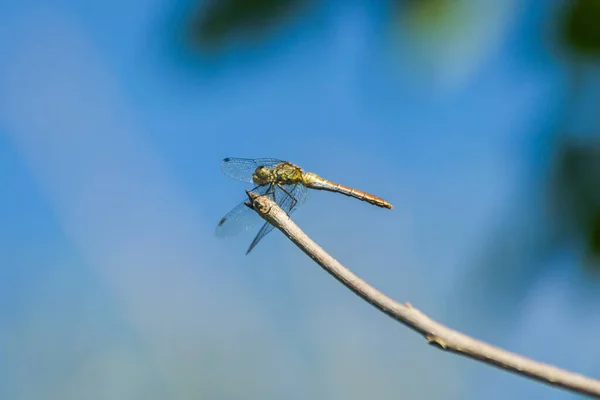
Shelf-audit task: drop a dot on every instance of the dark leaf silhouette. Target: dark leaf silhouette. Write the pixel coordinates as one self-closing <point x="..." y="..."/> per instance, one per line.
<point x="220" y="21"/>
<point x="576" y="191"/>
<point x="581" y="29"/>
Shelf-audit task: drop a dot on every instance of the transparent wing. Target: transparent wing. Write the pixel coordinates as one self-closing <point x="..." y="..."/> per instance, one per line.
<point x="241" y="169"/>
<point x="266" y="228"/>
<point x="241" y="218"/>
<point x="288" y="197"/>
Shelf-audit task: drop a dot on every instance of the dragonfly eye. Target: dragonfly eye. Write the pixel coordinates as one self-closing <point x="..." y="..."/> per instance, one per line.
<point x="261" y="175"/>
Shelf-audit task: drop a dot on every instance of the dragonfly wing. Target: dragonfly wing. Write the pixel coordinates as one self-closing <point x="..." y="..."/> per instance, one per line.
<point x="266" y="228"/>
<point x="300" y="193"/>
<point x="241" y="218"/>
<point x="289" y="197"/>
<point x="241" y="169"/>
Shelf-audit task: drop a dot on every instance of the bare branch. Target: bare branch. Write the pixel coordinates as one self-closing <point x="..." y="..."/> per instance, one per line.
<point x="436" y="334"/>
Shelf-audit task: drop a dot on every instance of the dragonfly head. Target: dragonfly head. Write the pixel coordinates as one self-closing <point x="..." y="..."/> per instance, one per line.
<point x="262" y="175"/>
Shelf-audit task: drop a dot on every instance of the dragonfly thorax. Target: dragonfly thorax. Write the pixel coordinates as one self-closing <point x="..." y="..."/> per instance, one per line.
<point x="284" y="174"/>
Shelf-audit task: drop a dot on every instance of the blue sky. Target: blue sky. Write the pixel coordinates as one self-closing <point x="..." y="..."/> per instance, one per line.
<point x="112" y="283"/>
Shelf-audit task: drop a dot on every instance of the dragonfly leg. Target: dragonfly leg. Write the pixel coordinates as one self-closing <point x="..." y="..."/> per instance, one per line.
<point x="294" y="201"/>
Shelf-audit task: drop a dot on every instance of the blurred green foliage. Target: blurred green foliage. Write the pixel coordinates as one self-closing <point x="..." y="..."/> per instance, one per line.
<point x="220" y="21"/>
<point x="576" y="191"/>
<point x="431" y="12"/>
<point x="217" y="22"/>
<point x="581" y="27"/>
<point x="576" y="176"/>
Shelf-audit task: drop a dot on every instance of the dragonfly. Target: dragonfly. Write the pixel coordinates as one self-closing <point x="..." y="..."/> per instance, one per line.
<point x="284" y="183"/>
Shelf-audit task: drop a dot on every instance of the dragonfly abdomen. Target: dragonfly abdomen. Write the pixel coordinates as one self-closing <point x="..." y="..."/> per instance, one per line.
<point x="314" y="181"/>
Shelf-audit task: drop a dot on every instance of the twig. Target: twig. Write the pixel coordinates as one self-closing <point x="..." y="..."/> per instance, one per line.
<point x="436" y="334"/>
